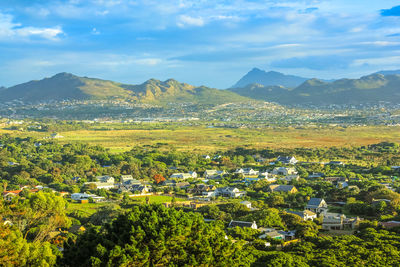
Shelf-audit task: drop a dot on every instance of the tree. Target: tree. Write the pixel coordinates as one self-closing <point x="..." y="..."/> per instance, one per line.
<point x="158" y="178"/>
<point x="39" y="214"/>
<point x="152" y="235"/>
<point x="16" y="251"/>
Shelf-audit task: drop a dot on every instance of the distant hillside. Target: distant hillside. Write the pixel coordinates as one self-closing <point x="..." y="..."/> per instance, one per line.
<point x="66" y="86"/>
<point x="368" y="89"/>
<point x="269" y="79"/>
<point x="258" y="91"/>
<point x="388" y="72"/>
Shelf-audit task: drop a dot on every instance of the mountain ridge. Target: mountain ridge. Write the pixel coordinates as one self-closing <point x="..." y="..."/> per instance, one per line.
<point x="66" y="86"/>
<point x="269" y="78"/>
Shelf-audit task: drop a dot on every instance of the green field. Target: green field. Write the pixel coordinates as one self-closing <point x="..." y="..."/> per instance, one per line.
<point x="203" y="139"/>
<point x="90" y="208"/>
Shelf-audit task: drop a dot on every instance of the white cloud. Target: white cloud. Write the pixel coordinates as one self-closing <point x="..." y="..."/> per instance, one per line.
<point x="185" y="20"/>
<point x="10" y="30"/>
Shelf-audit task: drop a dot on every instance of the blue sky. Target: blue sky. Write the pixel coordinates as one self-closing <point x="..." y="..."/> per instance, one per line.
<point x="201" y="42"/>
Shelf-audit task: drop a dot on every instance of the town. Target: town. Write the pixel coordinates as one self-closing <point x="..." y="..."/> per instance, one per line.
<point x="268" y="199"/>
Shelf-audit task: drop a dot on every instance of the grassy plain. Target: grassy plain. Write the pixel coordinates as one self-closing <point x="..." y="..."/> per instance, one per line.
<point x="203" y="139"/>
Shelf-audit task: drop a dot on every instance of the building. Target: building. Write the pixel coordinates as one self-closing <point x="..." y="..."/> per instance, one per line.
<point x="283" y="188"/>
<point x="316" y="175"/>
<point x="390" y="224"/>
<point x="242" y="224"/>
<point x="272" y="233"/>
<point x="84" y="196"/>
<point x="246" y="171"/>
<point x="200" y="188"/>
<point x="181" y="175"/>
<point x="287" y="160"/>
<point x="337" y="163"/>
<point x="284" y="171"/>
<point x="231" y="192"/>
<point x="306" y="215"/>
<point x="336" y="221"/>
<point x="103" y="182"/>
<point x="291" y="177"/>
<point x="317" y="205"/>
<point x="246" y="203"/>
<point x="214" y="174"/>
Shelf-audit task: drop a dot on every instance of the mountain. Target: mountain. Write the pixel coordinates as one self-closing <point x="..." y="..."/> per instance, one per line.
<point x="65" y="86"/>
<point x="269" y="79"/>
<point x="371" y="89"/>
<point x="259" y="91"/>
<point x="388" y="72"/>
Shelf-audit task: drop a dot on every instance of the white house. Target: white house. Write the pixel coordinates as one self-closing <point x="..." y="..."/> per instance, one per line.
<point x="214" y="174"/>
<point x="182" y="175"/>
<point x="242" y="224"/>
<point x="84" y="196"/>
<point x="246" y="171"/>
<point x="246" y="203"/>
<point x="103" y="182"/>
<point x="287" y="160"/>
<point x="284" y="171"/>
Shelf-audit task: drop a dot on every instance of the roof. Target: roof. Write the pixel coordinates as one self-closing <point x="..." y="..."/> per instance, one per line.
<point x="314" y="201"/>
<point x="282" y="188"/>
<point x="240" y="224"/>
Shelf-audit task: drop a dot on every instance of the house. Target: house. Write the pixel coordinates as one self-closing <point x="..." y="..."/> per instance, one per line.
<point x="141" y="189"/>
<point x="242" y="224"/>
<point x="9" y="195"/>
<point x="291" y="177"/>
<point x="214" y="174"/>
<point x="37" y="144"/>
<point x="271" y="233"/>
<point x="263" y="174"/>
<point x="390" y="224"/>
<point x="284" y="171"/>
<point x="335" y="180"/>
<point x="103" y="182"/>
<point x="169" y="183"/>
<point x="287" y="160"/>
<point x="246" y="171"/>
<point x="246" y="203"/>
<point x="249" y="180"/>
<point x="306" y="215"/>
<point x="317" y="205"/>
<point x="336" y="221"/>
<point x="200" y="188"/>
<point x="316" y="175"/>
<point x="184" y="175"/>
<point x="342" y="185"/>
<point x="231" y="192"/>
<point x="337" y="163"/>
<point x="126" y="178"/>
<point x="283" y="188"/>
<point x="84" y="196"/>
<point x="208" y="194"/>
<point x="378" y="201"/>
<point x="182" y="185"/>
<point x="217" y="157"/>
<point x="56" y="136"/>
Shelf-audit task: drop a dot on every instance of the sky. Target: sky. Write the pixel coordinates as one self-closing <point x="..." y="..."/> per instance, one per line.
<point x="201" y="42"/>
